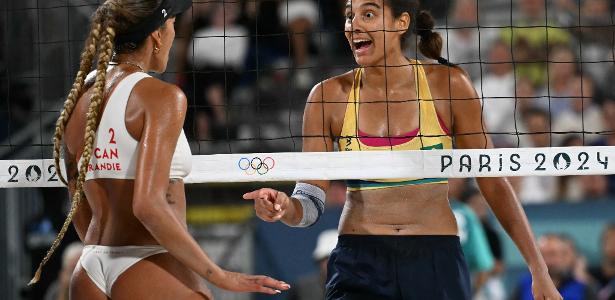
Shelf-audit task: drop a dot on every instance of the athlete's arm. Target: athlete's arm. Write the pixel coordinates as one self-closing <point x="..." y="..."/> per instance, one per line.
<point x="470" y="133"/>
<point x="83" y="214"/>
<point x="164" y="109"/>
<point x="271" y="205"/>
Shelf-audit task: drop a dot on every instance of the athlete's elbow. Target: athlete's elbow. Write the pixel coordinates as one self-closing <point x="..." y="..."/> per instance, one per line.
<point x="147" y="211"/>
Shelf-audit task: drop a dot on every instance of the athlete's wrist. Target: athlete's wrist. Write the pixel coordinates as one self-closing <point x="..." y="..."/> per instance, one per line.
<point x="537" y="267"/>
<point x="293" y="212"/>
<point x="215" y="274"/>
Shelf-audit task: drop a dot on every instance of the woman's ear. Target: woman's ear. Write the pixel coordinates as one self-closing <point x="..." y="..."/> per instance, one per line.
<point x="403" y="23"/>
<point x="156" y="39"/>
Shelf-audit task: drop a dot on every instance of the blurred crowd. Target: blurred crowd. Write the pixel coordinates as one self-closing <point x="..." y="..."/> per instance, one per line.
<point x="543" y="69"/>
<point x="481" y="240"/>
<point x="544" y="81"/>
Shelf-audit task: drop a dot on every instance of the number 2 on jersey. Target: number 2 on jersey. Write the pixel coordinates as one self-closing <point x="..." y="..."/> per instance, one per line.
<point x="112" y="133"/>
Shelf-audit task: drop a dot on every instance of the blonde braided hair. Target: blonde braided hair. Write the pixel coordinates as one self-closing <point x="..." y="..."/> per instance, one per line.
<point x="105" y="53"/>
<point x="111" y="17"/>
<point x="87" y="56"/>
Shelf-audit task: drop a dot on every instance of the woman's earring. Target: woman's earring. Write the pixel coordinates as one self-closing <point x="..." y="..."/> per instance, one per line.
<point x="156" y="50"/>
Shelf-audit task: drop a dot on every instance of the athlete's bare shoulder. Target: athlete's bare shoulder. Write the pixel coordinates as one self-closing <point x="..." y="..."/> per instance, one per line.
<point x="156" y="94"/>
<point x="334" y="89"/>
<point x="447" y="80"/>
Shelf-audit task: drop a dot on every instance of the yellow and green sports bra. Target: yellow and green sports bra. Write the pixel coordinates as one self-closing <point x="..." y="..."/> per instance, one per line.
<point x="431" y="134"/>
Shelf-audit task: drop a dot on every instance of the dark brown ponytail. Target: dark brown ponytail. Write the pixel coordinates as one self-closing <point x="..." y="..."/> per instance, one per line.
<point x="430" y="42"/>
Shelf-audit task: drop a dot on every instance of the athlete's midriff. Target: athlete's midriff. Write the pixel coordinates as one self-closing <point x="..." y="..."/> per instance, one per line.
<point x="113" y="221"/>
<point x="404" y="210"/>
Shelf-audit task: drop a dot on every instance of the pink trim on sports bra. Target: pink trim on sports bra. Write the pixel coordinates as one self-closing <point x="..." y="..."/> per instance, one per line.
<point x="442" y="125"/>
<point x="377" y="141"/>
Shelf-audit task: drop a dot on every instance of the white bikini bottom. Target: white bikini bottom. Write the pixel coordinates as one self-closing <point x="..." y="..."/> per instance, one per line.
<point x="105" y="264"/>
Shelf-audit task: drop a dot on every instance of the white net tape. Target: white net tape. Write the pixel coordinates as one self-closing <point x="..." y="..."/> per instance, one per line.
<point x="294" y="166"/>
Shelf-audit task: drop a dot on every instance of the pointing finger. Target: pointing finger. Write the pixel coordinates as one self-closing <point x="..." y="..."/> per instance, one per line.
<point x="251" y="195"/>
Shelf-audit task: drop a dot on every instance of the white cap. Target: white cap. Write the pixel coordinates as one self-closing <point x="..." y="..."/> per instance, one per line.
<point x="327" y="240"/>
<point x="296" y="9"/>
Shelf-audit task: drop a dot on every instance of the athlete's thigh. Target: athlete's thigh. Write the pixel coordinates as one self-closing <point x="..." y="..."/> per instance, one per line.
<point x="82" y="287"/>
<point x="159" y="276"/>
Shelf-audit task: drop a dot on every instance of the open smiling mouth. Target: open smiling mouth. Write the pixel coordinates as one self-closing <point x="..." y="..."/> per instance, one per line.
<point x="362" y="45"/>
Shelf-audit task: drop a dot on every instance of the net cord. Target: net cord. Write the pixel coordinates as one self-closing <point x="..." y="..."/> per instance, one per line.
<point x="374" y="165"/>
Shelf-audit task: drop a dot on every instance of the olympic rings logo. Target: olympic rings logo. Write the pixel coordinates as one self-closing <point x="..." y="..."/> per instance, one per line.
<point x="256" y="165"/>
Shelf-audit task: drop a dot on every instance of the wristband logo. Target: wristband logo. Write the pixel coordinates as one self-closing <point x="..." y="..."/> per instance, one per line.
<point x="256" y="165"/>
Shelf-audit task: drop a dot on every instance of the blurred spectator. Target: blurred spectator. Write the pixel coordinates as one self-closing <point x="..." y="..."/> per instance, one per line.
<point x="526" y="95"/>
<point x="217" y="54"/>
<point x="594" y="187"/>
<point x="59" y="289"/>
<point x="473" y="242"/>
<point x="462" y="38"/>
<point x="501" y="112"/>
<point x="313" y="286"/>
<point x="493" y="289"/>
<point x="592" y="25"/>
<point x="300" y="17"/>
<point x="562" y="73"/>
<point x="537" y="123"/>
<point x="561" y="260"/>
<point x="604" y="275"/>
<point x="607" y="89"/>
<point x="438" y="9"/>
<point x="271" y="44"/>
<point x="194" y="18"/>
<point x="537" y="189"/>
<point x="594" y="14"/>
<point x="584" y="117"/>
<point x="597" y="16"/>
<point x="223" y="42"/>
<point x="580" y="272"/>
<point x="529" y="39"/>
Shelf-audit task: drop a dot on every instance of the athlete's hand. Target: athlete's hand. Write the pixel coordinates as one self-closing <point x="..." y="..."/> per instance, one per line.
<point x="270" y="205"/>
<point x="543" y="287"/>
<point x="239" y="282"/>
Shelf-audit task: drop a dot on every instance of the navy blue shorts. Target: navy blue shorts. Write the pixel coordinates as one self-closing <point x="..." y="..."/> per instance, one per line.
<point x="371" y="267"/>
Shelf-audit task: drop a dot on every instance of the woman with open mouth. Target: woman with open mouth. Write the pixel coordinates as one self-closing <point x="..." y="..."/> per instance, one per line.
<point x="398" y="238"/>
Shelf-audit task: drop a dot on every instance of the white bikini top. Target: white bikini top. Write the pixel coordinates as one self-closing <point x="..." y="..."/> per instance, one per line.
<point x="115" y="151"/>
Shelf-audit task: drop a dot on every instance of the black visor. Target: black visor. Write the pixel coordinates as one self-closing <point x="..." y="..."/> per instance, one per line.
<point x="166" y="10"/>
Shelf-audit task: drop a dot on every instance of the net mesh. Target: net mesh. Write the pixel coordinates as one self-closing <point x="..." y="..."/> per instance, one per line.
<point x="541" y="69"/>
<point x="247" y="66"/>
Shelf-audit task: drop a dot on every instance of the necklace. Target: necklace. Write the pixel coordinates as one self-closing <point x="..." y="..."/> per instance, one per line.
<point x="132" y="64"/>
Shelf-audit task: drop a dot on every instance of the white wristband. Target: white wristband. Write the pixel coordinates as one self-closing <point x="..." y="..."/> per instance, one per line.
<point x="312" y="199"/>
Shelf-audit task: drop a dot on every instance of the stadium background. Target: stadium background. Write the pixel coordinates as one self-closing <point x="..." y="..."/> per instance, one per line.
<point x="247" y="66"/>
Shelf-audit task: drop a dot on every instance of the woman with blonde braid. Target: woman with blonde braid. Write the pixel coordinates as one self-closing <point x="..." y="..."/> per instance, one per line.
<point x="126" y="155"/>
